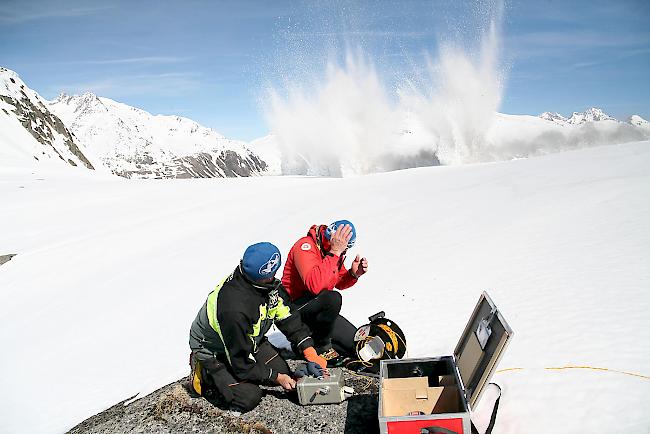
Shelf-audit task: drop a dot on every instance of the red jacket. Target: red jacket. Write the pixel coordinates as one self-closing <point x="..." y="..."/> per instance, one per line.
<point x="310" y="268"/>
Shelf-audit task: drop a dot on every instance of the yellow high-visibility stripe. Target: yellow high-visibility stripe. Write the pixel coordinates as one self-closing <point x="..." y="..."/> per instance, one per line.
<point x="280" y="311"/>
<point x="212" y="314"/>
<point x="257" y="326"/>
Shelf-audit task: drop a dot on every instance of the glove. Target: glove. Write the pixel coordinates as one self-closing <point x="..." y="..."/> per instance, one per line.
<point x="309" y="369"/>
<point x="311" y="356"/>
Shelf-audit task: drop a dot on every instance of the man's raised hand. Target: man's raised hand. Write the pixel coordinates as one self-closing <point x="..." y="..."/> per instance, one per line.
<point x="339" y="239"/>
<point x="359" y="266"/>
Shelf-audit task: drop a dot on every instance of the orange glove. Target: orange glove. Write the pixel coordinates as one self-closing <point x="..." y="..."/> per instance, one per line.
<point x="311" y="356"/>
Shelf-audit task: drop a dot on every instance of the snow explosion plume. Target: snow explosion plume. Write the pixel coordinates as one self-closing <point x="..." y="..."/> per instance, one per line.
<point x="343" y="126"/>
<point x="457" y="104"/>
<point x="353" y="121"/>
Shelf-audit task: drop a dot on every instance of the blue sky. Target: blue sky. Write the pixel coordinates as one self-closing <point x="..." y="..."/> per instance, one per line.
<point x="212" y="61"/>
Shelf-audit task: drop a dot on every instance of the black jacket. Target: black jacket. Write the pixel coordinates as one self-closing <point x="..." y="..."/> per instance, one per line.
<point x="234" y="320"/>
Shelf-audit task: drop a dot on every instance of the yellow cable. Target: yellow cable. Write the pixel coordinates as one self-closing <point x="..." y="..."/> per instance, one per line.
<point x="366" y="379"/>
<point x="392" y="335"/>
<point x="594" y="368"/>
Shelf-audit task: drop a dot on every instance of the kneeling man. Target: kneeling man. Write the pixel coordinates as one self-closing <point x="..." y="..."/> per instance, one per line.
<point x="230" y="353"/>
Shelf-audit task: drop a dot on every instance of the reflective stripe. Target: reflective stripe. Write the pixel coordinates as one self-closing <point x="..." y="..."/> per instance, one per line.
<point x="212" y="314"/>
<point x="257" y="326"/>
<point x="280" y="311"/>
<point x="300" y="343"/>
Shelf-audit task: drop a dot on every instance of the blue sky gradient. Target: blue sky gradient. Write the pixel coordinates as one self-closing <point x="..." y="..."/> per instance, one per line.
<point x="212" y="61"/>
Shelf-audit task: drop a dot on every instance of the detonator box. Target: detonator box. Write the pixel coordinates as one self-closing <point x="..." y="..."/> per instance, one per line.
<point x="322" y="390"/>
<point x="436" y="394"/>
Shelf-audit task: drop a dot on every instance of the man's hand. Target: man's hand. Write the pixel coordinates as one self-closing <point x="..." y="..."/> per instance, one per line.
<point x="339" y="239"/>
<point x="359" y="267"/>
<point x="286" y="382"/>
<point x="311" y="356"/>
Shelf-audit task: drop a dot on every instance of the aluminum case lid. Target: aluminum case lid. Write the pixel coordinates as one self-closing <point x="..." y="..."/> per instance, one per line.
<point x="480" y="348"/>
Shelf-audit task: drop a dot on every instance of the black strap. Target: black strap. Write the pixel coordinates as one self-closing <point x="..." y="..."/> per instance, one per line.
<point x="493" y="417"/>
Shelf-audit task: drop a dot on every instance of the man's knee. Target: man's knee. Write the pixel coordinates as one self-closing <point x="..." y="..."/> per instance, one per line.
<point x="331" y="301"/>
<point x="246" y="396"/>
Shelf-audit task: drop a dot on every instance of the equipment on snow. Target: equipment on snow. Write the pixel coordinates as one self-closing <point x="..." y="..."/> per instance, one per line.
<point x="323" y="390"/>
<point x="378" y="340"/>
<point x="436" y="394"/>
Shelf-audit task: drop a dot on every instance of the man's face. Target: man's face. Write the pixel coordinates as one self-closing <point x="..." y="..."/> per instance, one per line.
<point x="326" y="244"/>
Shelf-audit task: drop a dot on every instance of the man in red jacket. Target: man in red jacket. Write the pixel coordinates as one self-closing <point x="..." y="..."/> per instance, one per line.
<point x="314" y="268"/>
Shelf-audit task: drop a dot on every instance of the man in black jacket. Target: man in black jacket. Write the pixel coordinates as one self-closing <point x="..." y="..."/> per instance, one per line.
<point x="230" y="353"/>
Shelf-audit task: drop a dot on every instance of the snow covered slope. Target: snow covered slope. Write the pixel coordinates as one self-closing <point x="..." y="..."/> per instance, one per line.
<point x="639" y="122"/>
<point x="97" y="304"/>
<point x="29" y="132"/>
<point x="267" y="148"/>
<point x="520" y="136"/>
<point x="136" y="144"/>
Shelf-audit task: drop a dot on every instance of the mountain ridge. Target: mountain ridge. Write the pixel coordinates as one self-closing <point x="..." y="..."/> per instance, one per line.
<point x="133" y="143"/>
<point x="592" y="114"/>
<point x="25" y="111"/>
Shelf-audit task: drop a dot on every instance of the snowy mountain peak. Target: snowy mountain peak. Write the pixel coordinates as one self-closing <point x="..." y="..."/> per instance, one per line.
<point x="12" y="86"/>
<point x="9" y="75"/>
<point x="135" y="143"/>
<point x="638" y="121"/>
<point x="33" y="132"/>
<point x="554" y="117"/>
<point x="83" y="104"/>
<point x="592" y="114"/>
<point x="63" y="97"/>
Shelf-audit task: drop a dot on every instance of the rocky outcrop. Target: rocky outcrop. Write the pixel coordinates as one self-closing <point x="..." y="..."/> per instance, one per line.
<point x="6" y="258"/>
<point x="39" y="121"/>
<point x="173" y="409"/>
<point x="224" y="164"/>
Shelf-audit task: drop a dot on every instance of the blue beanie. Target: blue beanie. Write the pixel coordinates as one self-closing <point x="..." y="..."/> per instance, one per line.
<point x="261" y="261"/>
<point x="340" y="223"/>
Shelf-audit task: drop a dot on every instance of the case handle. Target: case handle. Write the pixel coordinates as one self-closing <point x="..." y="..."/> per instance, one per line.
<point x="436" y="430"/>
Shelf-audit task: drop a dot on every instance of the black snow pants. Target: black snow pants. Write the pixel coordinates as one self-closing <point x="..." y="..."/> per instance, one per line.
<point x="221" y="385"/>
<point x="328" y="327"/>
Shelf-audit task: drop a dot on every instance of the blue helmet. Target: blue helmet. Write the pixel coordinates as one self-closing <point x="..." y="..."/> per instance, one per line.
<point x="339" y="223"/>
<point x="261" y="261"/>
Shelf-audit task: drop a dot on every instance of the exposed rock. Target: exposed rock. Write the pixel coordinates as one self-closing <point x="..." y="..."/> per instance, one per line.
<point x="172" y="409"/>
<point x="41" y="123"/>
<point x="226" y="164"/>
<point x="6" y="258"/>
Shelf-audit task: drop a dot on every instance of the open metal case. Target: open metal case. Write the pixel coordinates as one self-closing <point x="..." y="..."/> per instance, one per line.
<point x="441" y="391"/>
